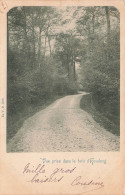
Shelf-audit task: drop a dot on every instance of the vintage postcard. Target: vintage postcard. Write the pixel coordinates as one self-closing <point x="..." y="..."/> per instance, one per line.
<point x="62" y="127"/>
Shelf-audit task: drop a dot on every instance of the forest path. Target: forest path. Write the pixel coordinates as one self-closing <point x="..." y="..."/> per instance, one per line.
<point x="63" y="127"/>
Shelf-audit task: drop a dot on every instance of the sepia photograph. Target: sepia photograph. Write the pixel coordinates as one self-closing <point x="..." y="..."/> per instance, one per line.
<point x="63" y="79"/>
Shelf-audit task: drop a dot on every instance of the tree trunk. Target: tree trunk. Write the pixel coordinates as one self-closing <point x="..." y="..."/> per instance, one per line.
<point x="89" y="41"/>
<point x="39" y="47"/>
<point x="49" y="45"/>
<point x="45" y="47"/>
<point x="74" y="69"/>
<point x="67" y="61"/>
<point x="108" y="20"/>
<point x="26" y="41"/>
<point x="93" y="21"/>
<point x="108" y="32"/>
<point x="47" y="33"/>
<point x="33" y="35"/>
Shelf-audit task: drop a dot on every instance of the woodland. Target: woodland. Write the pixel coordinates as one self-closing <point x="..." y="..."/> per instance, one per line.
<point x="58" y="51"/>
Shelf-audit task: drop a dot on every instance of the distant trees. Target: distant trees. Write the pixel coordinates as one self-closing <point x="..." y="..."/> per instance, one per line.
<point x="67" y="49"/>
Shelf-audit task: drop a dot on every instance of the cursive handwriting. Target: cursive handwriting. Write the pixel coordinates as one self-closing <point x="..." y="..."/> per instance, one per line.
<point x="38" y="169"/>
<point x="39" y="173"/>
<point x="89" y="185"/>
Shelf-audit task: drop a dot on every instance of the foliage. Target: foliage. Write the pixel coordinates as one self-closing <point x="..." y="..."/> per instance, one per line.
<point x="100" y="70"/>
<point x="44" y="45"/>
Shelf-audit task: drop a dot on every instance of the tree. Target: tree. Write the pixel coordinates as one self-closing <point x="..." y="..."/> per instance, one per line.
<point x="100" y="68"/>
<point x="108" y="20"/>
<point x="68" y="47"/>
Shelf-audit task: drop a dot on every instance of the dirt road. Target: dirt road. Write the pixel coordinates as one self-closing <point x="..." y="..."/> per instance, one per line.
<point x="62" y="127"/>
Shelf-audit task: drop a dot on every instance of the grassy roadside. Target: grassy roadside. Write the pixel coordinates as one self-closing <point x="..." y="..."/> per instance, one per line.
<point x="88" y="105"/>
<point x="16" y="121"/>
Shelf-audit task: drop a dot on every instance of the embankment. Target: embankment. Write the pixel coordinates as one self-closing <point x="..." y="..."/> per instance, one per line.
<point x="107" y="120"/>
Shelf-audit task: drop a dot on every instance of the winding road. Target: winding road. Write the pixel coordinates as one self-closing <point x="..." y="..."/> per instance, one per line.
<point x="63" y="127"/>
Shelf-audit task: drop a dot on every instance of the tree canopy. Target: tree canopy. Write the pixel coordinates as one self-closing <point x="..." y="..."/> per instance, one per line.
<point x="59" y="50"/>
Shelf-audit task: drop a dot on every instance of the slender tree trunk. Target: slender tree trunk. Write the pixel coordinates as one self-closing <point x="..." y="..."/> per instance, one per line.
<point x="39" y="47"/>
<point x="108" y="32"/>
<point x="67" y="61"/>
<point x="74" y="69"/>
<point x="49" y="45"/>
<point x="26" y="42"/>
<point x="89" y="41"/>
<point x="47" y="33"/>
<point x="33" y="35"/>
<point x="108" y="20"/>
<point x="49" y="36"/>
<point x="45" y="47"/>
<point x="93" y="21"/>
